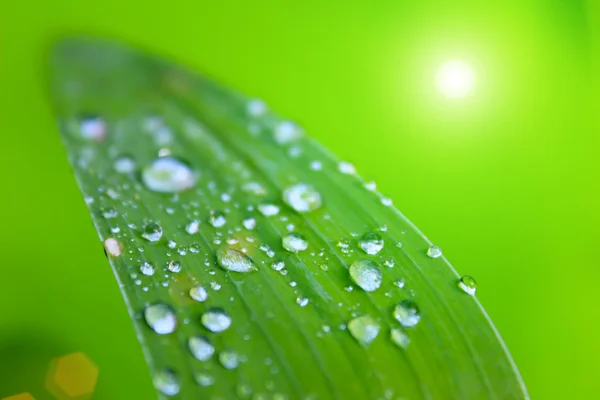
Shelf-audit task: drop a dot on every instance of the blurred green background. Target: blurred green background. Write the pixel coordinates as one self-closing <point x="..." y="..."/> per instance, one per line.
<point x="506" y="181"/>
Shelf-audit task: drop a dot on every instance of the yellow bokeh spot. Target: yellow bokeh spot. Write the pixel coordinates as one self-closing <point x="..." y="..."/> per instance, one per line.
<point x="72" y="376"/>
<point x="21" y="396"/>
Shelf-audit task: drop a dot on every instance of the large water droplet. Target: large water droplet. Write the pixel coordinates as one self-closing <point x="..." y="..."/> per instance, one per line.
<point x="400" y="338"/>
<point x="468" y="285"/>
<point x="200" y="347"/>
<point x="168" y="175"/>
<point x="152" y="232"/>
<point x="216" y="320"/>
<point x="193" y="227"/>
<point x="166" y="382"/>
<point x="198" y="293"/>
<point x="366" y="274"/>
<point x="371" y="243"/>
<point x="113" y="247"/>
<point x="161" y="318"/>
<point x="434" y="251"/>
<point x="93" y="128"/>
<point x="233" y="260"/>
<point x="364" y="329"/>
<point x="302" y="197"/>
<point x="294" y="242"/>
<point x="407" y="313"/>
<point x="268" y="210"/>
<point x="229" y="359"/>
<point x="147" y="269"/>
<point x="174" y="266"/>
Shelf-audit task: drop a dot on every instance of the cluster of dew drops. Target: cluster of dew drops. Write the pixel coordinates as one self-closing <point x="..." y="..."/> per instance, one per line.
<point x="167" y="174"/>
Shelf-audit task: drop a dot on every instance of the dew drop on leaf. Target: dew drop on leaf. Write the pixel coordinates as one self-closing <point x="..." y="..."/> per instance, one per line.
<point x="198" y="293"/>
<point x="364" y="329"/>
<point x="166" y="382"/>
<point x="174" y="266"/>
<point x="200" y="347"/>
<point x="468" y="285"/>
<point x="233" y="260"/>
<point x="152" y="232"/>
<point x="256" y="107"/>
<point x="407" y="313"/>
<point x="168" y="175"/>
<point x="366" y="274"/>
<point x="294" y="242"/>
<point x="217" y="219"/>
<point x="287" y="131"/>
<point x="113" y="247"/>
<point x="193" y="227"/>
<point x="346" y="168"/>
<point x="371" y="243"/>
<point x="204" y="379"/>
<point x="124" y="165"/>
<point x="302" y="197"/>
<point x="302" y="301"/>
<point x="434" y="251"/>
<point x="93" y="128"/>
<point x="249" y="223"/>
<point x="400" y="338"/>
<point x="268" y="210"/>
<point x="216" y="320"/>
<point x="229" y="359"/>
<point x="161" y="318"/>
<point x="147" y="269"/>
<point x="278" y="265"/>
<point x="109" y="212"/>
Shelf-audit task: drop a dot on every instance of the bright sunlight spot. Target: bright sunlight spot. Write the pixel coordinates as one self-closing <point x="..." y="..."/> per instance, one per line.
<point x="455" y="79"/>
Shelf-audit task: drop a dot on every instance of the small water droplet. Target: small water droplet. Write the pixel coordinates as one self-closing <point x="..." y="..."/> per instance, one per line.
<point x="249" y="223"/>
<point x="256" y="107"/>
<point x="216" y="320"/>
<point x="152" y="232"/>
<point x="372" y="186"/>
<point x="93" y="128"/>
<point x="364" y="329"/>
<point x="302" y="301"/>
<point x="204" y="379"/>
<point x="400" y="338"/>
<point x="399" y="283"/>
<point x="287" y="131"/>
<point x="200" y="347"/>
<point x="229" y="359"/>
<point x="174" y="266"/>
<point x="109" y="212"/>
<point x="294" y="242"/>
<point x="346" y="168"/>
<point x="366" y="274"/>
<point x="233" y="260"/>
<point x="278" y="266"/>
<point x="371" y="243"/>
<point x="324" y="267"/>
<point x="168" y="175"/>
<point x="302" y="197"/>
<point x="166" y="382"/>
<point x="407" y="313"/>
<point x="198" y="293"/>
<point x="268" y="210"/>
<point x="434" y="251"/>
<point x="113" y="247"/>
<point x="124" y="165"/>
<point x="217" y="219"/>
<point x="243" y="391"/>
<point x="147" y="269"/>
<point x="468" y="285"/>
<point x="386" y="201"/>
<point x="254" y="188"/>
<point x="161" y="318"/>
<point x="193" y="227"/>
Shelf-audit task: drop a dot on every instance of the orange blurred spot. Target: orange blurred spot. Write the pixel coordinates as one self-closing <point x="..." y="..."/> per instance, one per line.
<point x="72" y="376"/>
<point x="21" y="396"/>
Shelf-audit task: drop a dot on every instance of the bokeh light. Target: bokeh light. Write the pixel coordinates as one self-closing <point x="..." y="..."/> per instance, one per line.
<point x="455" y="79"/>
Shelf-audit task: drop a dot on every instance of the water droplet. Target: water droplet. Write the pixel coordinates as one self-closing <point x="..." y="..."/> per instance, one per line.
<point x="316" y="165"/>
<point x="193" y="227"/>
<point x="152" y="232"/>
<point x="217" y="219"/>
<point x="400" y="338"/>
<point x="364" y="329"/>
<point x="198" y="293"/>
<point x="166" y="382"/>
<point x="243" y="390"/>
<point x="113" y="247"/>
<point x="203" y="379"/>
<point x="93" y="128"/>
<point x="372" y="186"/>
<point x="168" y="175"/>
<point x="174" y="266"/>
<point x="124" y="165"/>
<point x="468" y="285"/>
<point x="216" y="320"/>
<point x="324" y="267"/>
<point x="161" y="318"/>
<point x="200" y="347"/>
<point x="254" y="188"/>
<point x="399" y="283"/>
<point x="147" y="269"/>
<point x="109" y="212"/>
<point x="302" y="197"/>
<point x="346" y="168"/>
<point x="434" y="251"/>
<point x="233" y="260"/>
<point x="278" y="266"/>
<point x="302" y="301"/>
<point x="256" y="107"/>
<point x="229" y="359"/>
<point x="294" y="242"/>
<point x="386" y="201"/>
<point x="371" y="243"/>
<point x="249" y="223"/>
<point x="407" y="313"/>
<point x="287" y="131"/>
<point x="366" y="274"/>
<point x="268" y="210"/>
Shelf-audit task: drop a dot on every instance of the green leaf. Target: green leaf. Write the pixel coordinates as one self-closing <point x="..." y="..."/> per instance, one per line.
<point x="255" y="264"/>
